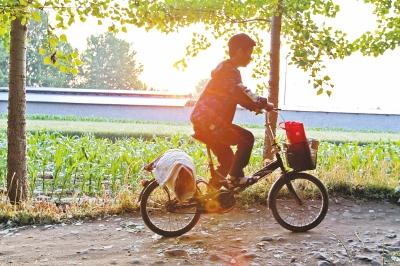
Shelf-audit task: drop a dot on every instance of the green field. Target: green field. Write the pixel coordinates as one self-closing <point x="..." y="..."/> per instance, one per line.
<point x="102" y="127"/>
<point x="103" y="159"/>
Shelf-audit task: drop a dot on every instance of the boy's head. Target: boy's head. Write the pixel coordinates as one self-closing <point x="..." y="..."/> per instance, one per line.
<point x="241" y="48"/>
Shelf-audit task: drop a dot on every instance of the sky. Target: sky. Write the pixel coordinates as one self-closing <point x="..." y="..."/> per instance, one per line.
<point x="362" y="84"/>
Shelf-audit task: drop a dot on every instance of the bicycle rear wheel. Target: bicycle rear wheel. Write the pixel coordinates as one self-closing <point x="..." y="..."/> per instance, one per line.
<point x="164" y="214"/>
<point x="298" y="201"/>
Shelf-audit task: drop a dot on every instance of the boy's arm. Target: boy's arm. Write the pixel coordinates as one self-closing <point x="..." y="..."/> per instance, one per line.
<point x="250" y="100"/>
<point x="244" y="96"/>
<point x="230" y="83"/>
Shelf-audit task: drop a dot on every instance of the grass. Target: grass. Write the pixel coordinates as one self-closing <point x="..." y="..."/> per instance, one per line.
<point x="47" y="212"/>
<point x="100" y="175"/>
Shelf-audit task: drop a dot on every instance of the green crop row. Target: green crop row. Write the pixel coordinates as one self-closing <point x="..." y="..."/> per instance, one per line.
<point x="63" y="166"/>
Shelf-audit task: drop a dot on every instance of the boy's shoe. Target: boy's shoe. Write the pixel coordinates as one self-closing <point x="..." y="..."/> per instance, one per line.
<point x="241" y="182"/>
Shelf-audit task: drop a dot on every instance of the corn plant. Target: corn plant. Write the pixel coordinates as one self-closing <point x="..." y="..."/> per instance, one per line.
<point x="62" y="166"/>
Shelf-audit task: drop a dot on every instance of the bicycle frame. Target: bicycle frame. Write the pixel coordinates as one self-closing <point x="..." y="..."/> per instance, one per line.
<point x="212" y="200"/>
<point x="257" y="176"/>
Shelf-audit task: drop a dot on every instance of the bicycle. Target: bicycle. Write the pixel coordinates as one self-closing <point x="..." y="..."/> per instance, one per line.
<point x="298" y="200"/>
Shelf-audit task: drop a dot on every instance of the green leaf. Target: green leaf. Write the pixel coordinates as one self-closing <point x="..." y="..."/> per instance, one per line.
<point x="320" y="91"/>
<point x="53" y="42"/>
<point x="71" y="20"/>
<point x="63" y="38"/>
<point x="74" y="71"/>
<point x="329" y="93"/>
<point x="47" y="60"/>
<point x="124" y="29"/>
<point x="74" y="54"/>
<point x="77" y="62"/>
<point x="42" y="51"/>
<point x="111" y="28"/>
<point x="23" y="21"/>
<point x="64" y="69"/>
<point x="36" y="16"/>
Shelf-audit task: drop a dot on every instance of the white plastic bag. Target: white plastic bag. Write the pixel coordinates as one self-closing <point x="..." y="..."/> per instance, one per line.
<point x="175" y="169"/>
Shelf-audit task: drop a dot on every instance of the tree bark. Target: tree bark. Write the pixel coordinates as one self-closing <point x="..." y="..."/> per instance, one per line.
<point x="16" y="156"/>
<point x="272" y="117"/>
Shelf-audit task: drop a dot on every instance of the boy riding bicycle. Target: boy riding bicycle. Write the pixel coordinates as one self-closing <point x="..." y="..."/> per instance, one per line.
<point x="213" y="113"/>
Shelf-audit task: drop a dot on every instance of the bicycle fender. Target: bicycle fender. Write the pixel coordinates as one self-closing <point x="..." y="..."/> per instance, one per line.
<point x="279" y="180"/>
<point x="272" y="189"/>
<point x="144" y="187"/>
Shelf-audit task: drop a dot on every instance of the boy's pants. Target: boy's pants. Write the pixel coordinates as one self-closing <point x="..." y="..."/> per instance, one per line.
<point x="219" y="140"/>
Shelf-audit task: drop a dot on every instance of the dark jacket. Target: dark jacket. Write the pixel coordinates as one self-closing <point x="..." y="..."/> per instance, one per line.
<point x="217" y="104"/>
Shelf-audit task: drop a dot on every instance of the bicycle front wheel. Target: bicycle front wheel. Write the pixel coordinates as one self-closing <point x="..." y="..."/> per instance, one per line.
<point x="298" y="201"/>
<point x="164" y="214"/>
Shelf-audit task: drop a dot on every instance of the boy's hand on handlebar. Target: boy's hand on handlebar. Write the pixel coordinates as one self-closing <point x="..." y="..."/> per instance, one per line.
<point x="269" y="106"/>
<point x="264" y="104"/>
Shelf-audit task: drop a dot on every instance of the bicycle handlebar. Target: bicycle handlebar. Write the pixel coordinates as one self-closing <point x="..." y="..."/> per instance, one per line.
<point x="263" y="111"/>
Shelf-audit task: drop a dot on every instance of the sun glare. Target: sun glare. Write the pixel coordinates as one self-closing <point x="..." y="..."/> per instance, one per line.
<point x="159" y="51"/>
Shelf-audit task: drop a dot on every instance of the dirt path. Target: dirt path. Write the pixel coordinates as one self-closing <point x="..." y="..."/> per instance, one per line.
<point x="357" y="233"/>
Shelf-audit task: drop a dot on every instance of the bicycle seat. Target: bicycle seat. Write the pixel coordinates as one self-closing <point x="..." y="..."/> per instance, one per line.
<point x="203" y="139"/>
<point x="200" y="137"/>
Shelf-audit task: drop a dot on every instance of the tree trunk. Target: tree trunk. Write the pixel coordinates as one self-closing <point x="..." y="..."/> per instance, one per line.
<point x="273" y="97"/>
<point x="16" y="156"/>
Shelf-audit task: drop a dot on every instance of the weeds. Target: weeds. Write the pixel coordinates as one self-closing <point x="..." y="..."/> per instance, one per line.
<point x="36" y="211"/>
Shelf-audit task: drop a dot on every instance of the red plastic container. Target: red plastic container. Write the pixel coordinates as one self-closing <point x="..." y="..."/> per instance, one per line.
<point x="295" y="132"/>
